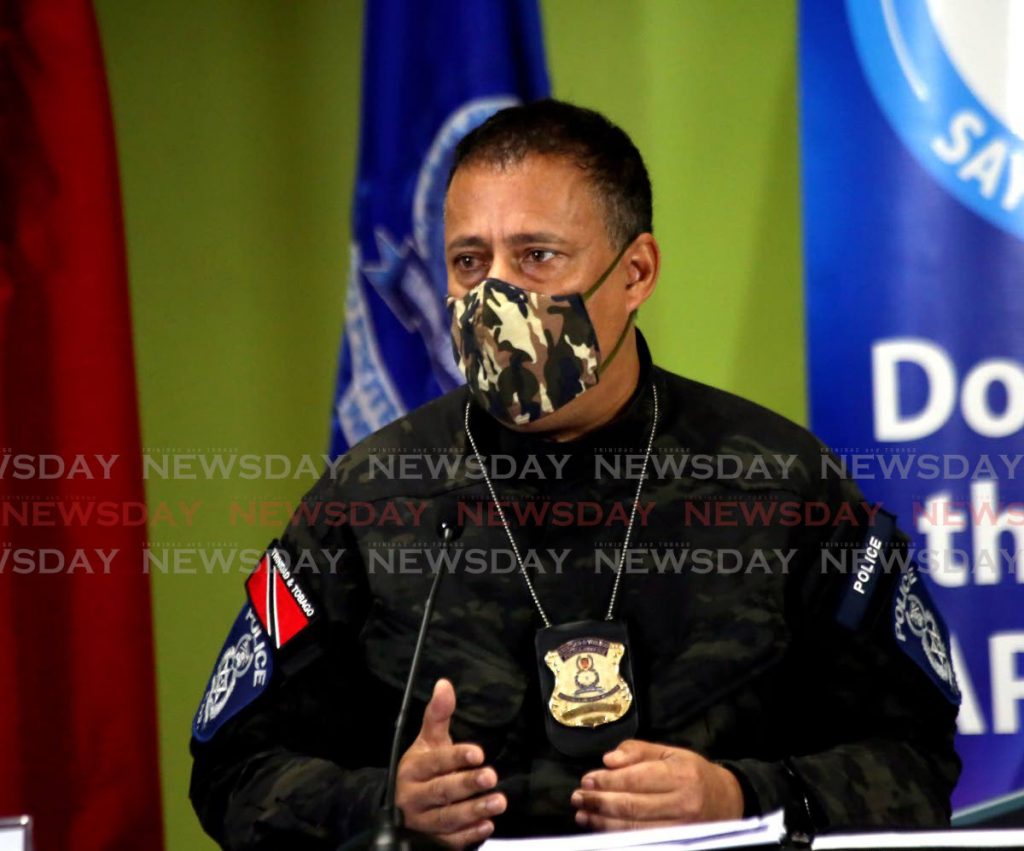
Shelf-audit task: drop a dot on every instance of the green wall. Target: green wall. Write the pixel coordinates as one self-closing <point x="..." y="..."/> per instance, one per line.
<point x="236" y="125"/>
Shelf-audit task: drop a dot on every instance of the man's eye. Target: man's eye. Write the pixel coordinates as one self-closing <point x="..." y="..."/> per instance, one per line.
<point x="539" y="255"/>
<point x="465" y="262"/>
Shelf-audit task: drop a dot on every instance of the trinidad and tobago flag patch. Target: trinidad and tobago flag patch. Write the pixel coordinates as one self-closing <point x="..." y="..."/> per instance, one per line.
<point x="280" y="603"/>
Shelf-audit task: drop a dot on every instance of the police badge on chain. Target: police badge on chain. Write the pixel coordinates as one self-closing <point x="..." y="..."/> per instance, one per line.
<point x="586" y="680"/>
<point x="585" y="667"/>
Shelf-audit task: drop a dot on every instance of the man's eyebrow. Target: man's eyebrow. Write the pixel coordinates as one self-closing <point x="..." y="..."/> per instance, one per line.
<point x="467" y="242"/>
<point x="534" y="237"/>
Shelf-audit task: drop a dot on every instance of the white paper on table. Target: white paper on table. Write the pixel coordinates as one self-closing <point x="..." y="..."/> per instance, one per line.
<point x="956" y="838"/>
<point x="14" y="834"/>
<point x="765" y="830"/>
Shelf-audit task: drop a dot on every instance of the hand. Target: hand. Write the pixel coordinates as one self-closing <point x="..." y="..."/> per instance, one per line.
<point x="649" y="785"/>
<point x="439" y="784"/>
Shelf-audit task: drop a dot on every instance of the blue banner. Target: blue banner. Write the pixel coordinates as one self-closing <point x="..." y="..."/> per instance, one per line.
<point x="431" y="72"/>
<point x="913" y="169"/>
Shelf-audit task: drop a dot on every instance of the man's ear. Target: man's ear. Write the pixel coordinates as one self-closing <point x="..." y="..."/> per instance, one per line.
<point x="643" y="262"/>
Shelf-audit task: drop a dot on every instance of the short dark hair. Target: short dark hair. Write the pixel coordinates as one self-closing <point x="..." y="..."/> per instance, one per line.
<point x="555" y="128"/>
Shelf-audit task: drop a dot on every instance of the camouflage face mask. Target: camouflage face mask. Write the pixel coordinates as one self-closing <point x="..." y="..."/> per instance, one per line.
<point x="527" y="354"/>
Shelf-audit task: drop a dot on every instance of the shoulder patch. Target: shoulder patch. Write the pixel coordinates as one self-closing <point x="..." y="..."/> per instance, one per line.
<point x="282" y="606"/>
<point x="873" y="561"/>
<point x="242" y="673"/>
<point x="920" y="632"/>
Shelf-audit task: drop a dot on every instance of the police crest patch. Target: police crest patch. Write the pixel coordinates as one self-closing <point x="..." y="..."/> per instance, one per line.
<point x="921" y="634"/>
<point x="242" y="673"/>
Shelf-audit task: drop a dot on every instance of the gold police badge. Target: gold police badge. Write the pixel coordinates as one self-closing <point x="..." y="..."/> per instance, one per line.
<point x="589" y="690"/>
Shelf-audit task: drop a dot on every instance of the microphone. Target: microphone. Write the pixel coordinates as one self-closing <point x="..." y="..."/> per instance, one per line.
<point x="389" y="832"/>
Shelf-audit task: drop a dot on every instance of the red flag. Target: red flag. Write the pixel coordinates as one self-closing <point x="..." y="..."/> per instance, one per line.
<point x="77" y="706"/>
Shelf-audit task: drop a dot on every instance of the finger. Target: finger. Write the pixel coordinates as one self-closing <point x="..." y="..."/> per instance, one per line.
<point x="641" y="777"/>
<point x="470" y="836"/>
<point x="633" y="751"/>
<point x="627" y="806"/>
<point x="595" y="821"/>
<point x="438" y="714"/>
<point x="456" y="818"/>
<point x="424" y="763"/>
<point x="449" y="789"/>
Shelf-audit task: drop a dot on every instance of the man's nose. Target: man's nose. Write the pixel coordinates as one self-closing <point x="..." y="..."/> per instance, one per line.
<point x="503" y="269"/>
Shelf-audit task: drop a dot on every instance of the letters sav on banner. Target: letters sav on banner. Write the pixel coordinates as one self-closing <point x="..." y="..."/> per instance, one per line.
<point x="913" y="166"/>
<point x="431" y="72"/>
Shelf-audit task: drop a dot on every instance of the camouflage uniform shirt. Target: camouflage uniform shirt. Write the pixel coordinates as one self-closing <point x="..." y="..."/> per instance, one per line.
<point x="731" y="612"/>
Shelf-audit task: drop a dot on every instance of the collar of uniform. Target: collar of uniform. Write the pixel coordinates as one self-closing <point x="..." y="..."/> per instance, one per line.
<point x="627" y="431"/>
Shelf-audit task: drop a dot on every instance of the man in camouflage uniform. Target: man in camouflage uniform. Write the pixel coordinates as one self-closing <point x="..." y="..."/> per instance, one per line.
<point x="775" y="660"/>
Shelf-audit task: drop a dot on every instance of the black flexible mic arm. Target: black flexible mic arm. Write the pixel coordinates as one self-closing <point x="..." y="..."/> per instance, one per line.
<point x="449" y="531"/>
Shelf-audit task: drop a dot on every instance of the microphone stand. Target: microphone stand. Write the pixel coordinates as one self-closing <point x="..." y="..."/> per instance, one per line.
<point x="389" y="832"/>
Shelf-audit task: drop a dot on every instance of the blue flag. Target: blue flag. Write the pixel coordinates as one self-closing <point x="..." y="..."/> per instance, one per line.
<point x="431" y="73"/>
<point x="913" y="167"/>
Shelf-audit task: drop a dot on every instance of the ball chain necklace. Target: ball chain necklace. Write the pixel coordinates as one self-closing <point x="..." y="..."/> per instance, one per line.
<point x="585" y="667"/>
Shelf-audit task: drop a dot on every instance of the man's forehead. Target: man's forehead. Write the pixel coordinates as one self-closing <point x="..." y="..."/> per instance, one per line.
<point x="515" y="166"/>
<point x="540" y="197"/>
<point x="538" y="175"/>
